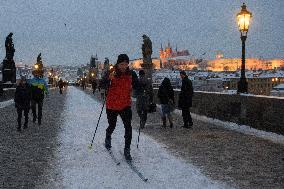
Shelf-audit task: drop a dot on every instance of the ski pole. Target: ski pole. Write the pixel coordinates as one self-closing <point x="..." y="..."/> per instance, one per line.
<point x="91" y="145"/>
<point x="139" y="133"/>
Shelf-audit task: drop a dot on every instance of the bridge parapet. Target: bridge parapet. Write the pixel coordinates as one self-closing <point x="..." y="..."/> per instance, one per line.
<point x="260" y="112"/>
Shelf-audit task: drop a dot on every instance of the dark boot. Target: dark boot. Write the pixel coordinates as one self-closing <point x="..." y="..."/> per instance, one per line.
<point x="108" y="142"/>
<point x="127" y="154"/>
<point x="25" y="125"/>
<point x="164" y="121"/>
<point x="39" y="122"/>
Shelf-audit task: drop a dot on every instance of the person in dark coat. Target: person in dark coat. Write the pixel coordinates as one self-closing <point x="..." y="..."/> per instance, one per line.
<point x="185" y="100"/>
<point x="144" y="96"/>
<point x="22" y="102"/>
<point x="166" y="96"/>
<point x="119" y="82"/>
<point x="60" y="85"/>
<point x="94" y="86"/>
<point x="38" y="89"/>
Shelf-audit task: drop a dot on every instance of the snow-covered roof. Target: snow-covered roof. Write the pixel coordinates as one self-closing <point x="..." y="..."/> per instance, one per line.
<point x="280" y="86"/>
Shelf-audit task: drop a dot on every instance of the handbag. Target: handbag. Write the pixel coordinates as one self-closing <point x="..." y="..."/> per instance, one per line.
<point x="152" y="107"/>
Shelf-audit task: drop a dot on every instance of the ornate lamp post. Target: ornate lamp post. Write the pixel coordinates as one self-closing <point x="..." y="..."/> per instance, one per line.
<point x="243" y="19"/>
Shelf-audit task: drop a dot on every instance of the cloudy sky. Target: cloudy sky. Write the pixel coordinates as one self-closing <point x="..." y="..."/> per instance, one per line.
<point x="70" y="31"/>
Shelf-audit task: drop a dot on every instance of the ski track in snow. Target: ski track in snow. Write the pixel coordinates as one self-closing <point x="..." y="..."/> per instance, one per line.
<point x="84" y="168"/>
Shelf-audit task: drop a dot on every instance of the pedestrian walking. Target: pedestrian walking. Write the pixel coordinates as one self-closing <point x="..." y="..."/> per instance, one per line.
<point x="38" y="89"/>
<point x="83" y="83"/>
<point x="60" y="85"/>
<point x="144" y="97"/>
<point x="120" y="81"/>
<point x="185" y="100"/>
<point x="166" y="97"/>
<point x="94" y="85"/>
<point x="22" y="102"/>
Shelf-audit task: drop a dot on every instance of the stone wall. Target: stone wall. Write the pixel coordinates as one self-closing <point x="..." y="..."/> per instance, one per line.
<point x="7" y="94"/>
<point x="260" y="112"/>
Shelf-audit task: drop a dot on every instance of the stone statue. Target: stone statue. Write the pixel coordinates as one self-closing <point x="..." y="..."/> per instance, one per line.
<point x="106" y="64"/>
<point x="38" y="69"/>
<point x="147" y="64"/>
<point x="9" y="68"/>
<point x="9" y="45"/>
<point x="38" y="59"/>
<point x="146" y="47"/>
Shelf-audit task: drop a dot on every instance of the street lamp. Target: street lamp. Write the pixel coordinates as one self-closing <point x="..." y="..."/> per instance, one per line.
<point x="243" y="19"/>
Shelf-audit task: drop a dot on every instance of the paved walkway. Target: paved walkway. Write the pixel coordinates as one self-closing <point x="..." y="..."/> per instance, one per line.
<point x="30" y="159"/>
<point x="243" y="161"/>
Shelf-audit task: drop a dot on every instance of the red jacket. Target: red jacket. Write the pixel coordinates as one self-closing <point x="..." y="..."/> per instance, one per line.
<point x="119" y="92"/>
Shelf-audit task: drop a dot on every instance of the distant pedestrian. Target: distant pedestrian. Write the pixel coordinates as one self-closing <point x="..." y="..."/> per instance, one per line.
<point x="166" y="96"/>
<point x="60" y="85"/>
<point x="144" y="97"/>
<point x="94" y="86"/>
<point x="38" y="89"/>
<point x="185" y="100"/>
<point x="22" y="102"/>
<point x="83" y="84"/>
<point x="118" y="100"/>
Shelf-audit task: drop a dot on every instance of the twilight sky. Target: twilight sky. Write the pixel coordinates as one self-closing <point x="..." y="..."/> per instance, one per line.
<point x="111" y="27"/>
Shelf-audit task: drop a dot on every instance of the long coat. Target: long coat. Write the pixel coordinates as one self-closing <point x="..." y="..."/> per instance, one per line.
<point x="144" y="94"/>
<point x="23" y="96"/>
<point x="185" y="96"/>
<point x="165" y="93"/>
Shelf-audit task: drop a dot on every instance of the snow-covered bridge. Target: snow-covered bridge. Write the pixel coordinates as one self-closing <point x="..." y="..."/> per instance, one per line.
<point x="56" y="154"/>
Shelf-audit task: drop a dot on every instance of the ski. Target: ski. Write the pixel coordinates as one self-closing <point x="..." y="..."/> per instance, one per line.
<point x="116" y="161"/>
<point x="136" y="170"/>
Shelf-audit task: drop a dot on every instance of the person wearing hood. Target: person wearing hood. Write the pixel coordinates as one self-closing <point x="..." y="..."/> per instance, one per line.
<point x="120" y="81"/>
<point x="166" y="96"/>
<point x="22" y="102"/>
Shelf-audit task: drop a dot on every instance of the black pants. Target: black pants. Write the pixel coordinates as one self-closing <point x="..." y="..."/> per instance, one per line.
<point x="26" y="114"/>
<point x="187" y="120"/>
<point x="126" y="116"/>
<point x="39" y="109"/>
<point x="60" y="90"/>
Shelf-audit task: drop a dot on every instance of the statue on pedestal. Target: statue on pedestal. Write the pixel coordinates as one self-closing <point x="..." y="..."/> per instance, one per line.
<point x="38" y="67"/>
<point x="106" y="64"/>
<point x="147" y="49"/>
<point x="147" y="64"/>
<point x="9" y="68"/>
<point x="9" y="45"/>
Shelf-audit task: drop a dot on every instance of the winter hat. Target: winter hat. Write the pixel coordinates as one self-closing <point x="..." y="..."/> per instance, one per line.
<point x="182" y="73"/>
<point x="122" y="58"/>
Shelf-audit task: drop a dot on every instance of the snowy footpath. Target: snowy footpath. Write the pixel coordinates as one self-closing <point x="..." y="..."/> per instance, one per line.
<point x="80" y="167"/>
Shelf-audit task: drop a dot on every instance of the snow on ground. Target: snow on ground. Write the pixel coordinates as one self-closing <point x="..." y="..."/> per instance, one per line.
<point x="6" y="103"/>
<point x="276" y="138"/>
<point x="84" y="168"/>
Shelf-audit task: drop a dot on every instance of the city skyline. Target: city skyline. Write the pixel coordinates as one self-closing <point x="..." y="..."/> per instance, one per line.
<point x="69" y="32"/>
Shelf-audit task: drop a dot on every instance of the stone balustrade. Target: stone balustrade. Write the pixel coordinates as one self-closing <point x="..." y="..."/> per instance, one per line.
<point x="260" y="112"/>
